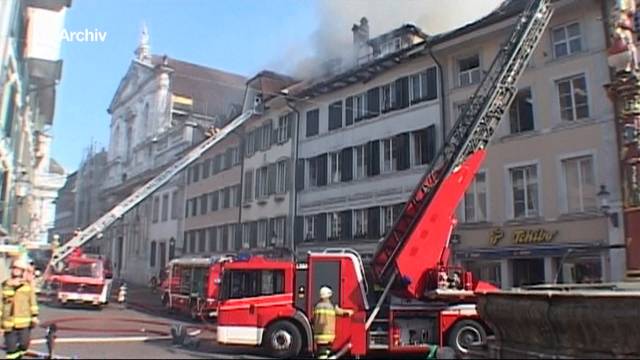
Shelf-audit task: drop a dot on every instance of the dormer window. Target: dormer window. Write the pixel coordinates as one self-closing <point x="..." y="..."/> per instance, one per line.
<point x="391" y="46"/>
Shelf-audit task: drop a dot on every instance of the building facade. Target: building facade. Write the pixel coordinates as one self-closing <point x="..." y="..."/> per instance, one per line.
<point x="65" y="215"/>
<point x="161" y="109"/>
<point x="30" y="68"/>
<point x="533" y="213"/>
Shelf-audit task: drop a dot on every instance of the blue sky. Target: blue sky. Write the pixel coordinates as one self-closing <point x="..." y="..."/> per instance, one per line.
<point x="241" y="36"/>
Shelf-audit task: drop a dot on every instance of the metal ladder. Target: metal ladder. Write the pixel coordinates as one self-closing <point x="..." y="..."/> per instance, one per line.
<point x="471" y="132"/>
<point x="147" y="189"/>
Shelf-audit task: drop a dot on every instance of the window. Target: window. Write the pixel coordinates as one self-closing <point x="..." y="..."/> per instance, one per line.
<point x="233" y="196"/>
<point x="387" y="219"/>
<point x="278" y="226"/>
<point x="469" y="70"/>
<point x="246" y="235"/>
<point x="152" y="255"/>
<point x="165" y="207"/>
<point x="248" y="185"/>
<point x="235" y="156"/>
<point x="334" y="168"/>
<point x="215" y="200"/>
<point x="213" y="239"/>
<point x="156" y="209"/>
<point x="521" y="112"/>
<point x="388" y="98"/>
<point x="360" y="223"/>
<point x="206" y="168"/>
<point x="239" y="284"/>
<point x="573" y="98"/>
<point x="216" y="166"/>
<point x="262" y="182"/>
<point x="192" y="242"/>
<point x="312" y="165"/>
<point x="313" y="119"/>
<point x="486" y="271"/>
<point x="281" y="177"/>
<point x="360" y="157"/>
<point x="359" y="106"/>
<point x="524" y="184"/>
<point x="580" y="184"/>
<point x="231" y="240"/>
<point x="250" y="143"/>
<point x="226" y="200"/>
<point x="389" y="157"/>
<point x="263" y="235"/>
<point x="424" y="146"/>
<point x="335" y="226"/>
<point x="258" y="138"/>
<point x="424" y="86"/>
<point x="194" y="207"/>
<point x="335" y="115"/>
<point x="267" y="129"/>
<point x="202" y="240"/>
<point x="283" y="131"/>
<point x="204" y="204"/>
<point x="174" y="205"/>
<point x="224" y="234"/>
<point x="475" y="199"/>
<point x="567" y="40"/>
<point x="196" y="172"/>
<point x="309" y="228"/>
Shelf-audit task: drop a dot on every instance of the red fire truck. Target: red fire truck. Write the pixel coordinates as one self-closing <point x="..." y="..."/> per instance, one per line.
<point x="424" y="304"/>
<point x="84" y="279"/>
<point x="191" y="286"/>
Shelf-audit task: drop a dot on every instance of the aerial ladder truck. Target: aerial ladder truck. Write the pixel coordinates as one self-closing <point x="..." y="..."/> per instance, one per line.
<point x="58" y="282"/>
<point x="269" y="302"/>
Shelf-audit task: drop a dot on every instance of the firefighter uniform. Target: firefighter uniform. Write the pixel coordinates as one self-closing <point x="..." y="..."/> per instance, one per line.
<point x="18" y="313"/>
<point x="324" y="322"/>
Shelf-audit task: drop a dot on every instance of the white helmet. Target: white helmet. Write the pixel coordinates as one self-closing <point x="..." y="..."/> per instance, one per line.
<point x="325" y="293"/>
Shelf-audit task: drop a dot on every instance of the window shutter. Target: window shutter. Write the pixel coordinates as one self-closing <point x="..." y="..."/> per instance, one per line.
<point x="347" y="230"/>
<point x="335" y="115"/>
<point x="322" y="169"/>
<point x="405" y="92"/>
<point x="373" y="102"/>
<point x="253" y="239"/>
<point x="367" y="158"/>
<point x="373" y="223"/>
<point x="298" y="229"/>
<point x="271" y="180"/>
<point x="348" y="108"/>
<point x="300" y="174"/>
<point x="398" y="95"/>
<point x="267" y="129"/>
<point x="346" y="164"/>
<point x="430" y="144"/>
<point x="238" y="195"/>
<point x="248" y="187"/>
<point x="292" y="118"/>
<point x="402" y="149"/>
<point x="287" y="175"/>
<point x="374" y="158"/>
<point x="270" y="228"/>
<point x="432" y="83"/>
<point x="321" y="227"/>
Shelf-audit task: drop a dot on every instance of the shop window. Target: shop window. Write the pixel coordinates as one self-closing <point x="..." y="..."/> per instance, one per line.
<point x="579" y="270"/>
<point x="528" y="272"/>
<point x="485" y="271"/>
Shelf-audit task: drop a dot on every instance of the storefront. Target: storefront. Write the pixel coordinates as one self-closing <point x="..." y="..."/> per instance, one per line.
<point x="575" y="251"/>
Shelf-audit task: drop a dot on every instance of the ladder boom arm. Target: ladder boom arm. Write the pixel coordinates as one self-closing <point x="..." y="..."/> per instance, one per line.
<point x="145" y="191"/>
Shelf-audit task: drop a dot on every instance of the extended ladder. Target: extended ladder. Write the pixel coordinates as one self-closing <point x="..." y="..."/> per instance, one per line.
<point x="149" y="188"/>
<point x="471" y="132"/>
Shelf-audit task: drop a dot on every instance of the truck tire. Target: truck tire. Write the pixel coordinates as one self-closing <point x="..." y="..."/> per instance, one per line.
<point x="282" y="340"/>
<point x="466" y="333"/>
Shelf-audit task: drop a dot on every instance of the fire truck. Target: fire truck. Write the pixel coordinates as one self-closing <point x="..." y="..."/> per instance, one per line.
<point x="424" y="303"/>
<point x="191" y="286"/>
<point x="84" y="279"/>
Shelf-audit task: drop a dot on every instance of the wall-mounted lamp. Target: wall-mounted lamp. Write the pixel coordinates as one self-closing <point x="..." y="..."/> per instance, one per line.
<point x="605" y="208"/>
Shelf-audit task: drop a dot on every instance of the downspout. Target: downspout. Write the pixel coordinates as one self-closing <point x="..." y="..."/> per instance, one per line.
<point x="294" y="170"/>
<point x="443" y="105"/>
<point x="241" y="190"/>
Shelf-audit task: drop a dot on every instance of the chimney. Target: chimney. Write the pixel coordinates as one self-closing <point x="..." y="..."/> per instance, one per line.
<point x="360" y="38"/>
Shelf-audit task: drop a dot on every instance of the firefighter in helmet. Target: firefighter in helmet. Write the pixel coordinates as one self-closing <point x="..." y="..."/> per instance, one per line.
<point x="324" y="322"/>
<point x="19" y="310"/>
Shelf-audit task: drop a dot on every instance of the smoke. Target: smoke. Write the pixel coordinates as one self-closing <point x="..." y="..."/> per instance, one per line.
<point x="333" y="38"/>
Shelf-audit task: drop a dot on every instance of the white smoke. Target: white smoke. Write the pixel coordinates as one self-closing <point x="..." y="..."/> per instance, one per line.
<point x="333" y="37"/>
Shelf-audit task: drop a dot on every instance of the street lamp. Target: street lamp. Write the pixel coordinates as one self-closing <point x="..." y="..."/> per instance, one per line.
<point x="603" y="196"/>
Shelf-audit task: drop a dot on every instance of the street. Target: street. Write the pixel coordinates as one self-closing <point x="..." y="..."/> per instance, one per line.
<point x="116" y="332"/>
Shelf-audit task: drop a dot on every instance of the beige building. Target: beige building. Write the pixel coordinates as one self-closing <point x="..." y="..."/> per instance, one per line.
<point x="533" y="214"/>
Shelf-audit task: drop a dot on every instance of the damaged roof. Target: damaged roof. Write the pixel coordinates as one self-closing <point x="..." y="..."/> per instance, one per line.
<point x="270" y="83"/>
<point x="212" y="90"/>
<point x="367" y="71"/>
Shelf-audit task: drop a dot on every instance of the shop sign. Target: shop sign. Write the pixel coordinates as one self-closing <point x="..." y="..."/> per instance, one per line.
<point x="523" y="236"/>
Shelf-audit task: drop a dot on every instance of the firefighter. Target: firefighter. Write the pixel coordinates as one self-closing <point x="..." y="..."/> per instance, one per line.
<point x="324" y="322"/>
<point x="19" y="311"/>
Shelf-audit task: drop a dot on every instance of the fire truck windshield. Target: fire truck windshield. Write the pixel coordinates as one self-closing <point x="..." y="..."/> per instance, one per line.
<point x="93" y="270"/>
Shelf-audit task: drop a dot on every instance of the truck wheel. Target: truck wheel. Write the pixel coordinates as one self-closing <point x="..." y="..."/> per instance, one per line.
<point x="283" y="340"/>
<point x="466" y="333"/>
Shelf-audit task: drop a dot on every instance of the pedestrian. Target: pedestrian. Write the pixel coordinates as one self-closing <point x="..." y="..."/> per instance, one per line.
<point x="324" y="322"/>
<point x="19" y="311"/>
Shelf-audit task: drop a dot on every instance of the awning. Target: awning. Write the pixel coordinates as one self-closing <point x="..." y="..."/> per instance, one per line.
<point x="43" y="76"/>
<point x="530" y="251"/>
<point x="54" y="5"/>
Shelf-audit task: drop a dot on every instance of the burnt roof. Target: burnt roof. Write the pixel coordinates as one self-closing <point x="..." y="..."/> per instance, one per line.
<point x="212" y="90"/>
<point x="269" y="83"/>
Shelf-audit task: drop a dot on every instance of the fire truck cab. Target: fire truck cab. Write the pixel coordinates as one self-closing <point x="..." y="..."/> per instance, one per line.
<point x="191" y="286"/>
<point x="269" y="303"/>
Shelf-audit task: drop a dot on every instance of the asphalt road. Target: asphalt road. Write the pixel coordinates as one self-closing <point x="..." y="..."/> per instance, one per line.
<point x="122" y="333"/>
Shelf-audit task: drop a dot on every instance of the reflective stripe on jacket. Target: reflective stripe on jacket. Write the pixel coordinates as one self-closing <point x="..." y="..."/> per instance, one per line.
<point x="324" y="323"/>
<point x="19" y="305"/>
